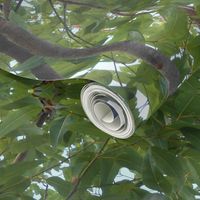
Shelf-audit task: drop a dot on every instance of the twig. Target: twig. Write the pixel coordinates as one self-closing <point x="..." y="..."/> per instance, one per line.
<point x="20" y="157"/>
<point x="67" y="29"/>
<point x="89" y="5"/>
<point x="71" y="35"/>
<point x="62" y="161"/>
<point x="84" y="171"/>
<point x="46" y="192"/>
<point x="116" y="71"/>
<point x="18" y="5"/>
<point x="53" y="166"/>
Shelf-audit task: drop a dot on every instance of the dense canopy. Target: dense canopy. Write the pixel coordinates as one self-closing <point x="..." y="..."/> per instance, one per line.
<point x="48" y="148"/>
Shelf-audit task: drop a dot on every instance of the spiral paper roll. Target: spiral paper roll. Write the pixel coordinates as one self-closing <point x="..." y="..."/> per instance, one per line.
<point x="107" y="111"/>
<point x="120" y="97"/>
<point x="117" y="98"/>
<point x="116" y="102"/>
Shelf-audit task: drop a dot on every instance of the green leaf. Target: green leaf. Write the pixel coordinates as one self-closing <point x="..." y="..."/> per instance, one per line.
<point x="109" y="170"/>
<point x="61" y="186"/>
<point x="164" y="160"/>
<point x="130" y="158"/>
<point x="14" y="170"/>
<point x="25" y="101"/>
<point x="59" y="128"/>
<point x="193" y="136"/>
<point x="152" y="177"/>
<point x="14" y="187"/>
<point x="101" y="76"/>
<point x="30" y="63"/>
<point x="136" y="36"/>
<point x="14" y="120"/>
<point x="17" y="19"/>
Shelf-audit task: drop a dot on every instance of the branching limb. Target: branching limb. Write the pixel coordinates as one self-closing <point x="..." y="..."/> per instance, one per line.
<point x="67" y="29"/>
<point x="41" y="47"/>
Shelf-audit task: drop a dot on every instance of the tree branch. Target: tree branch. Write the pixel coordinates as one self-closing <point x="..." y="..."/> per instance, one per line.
<point x="67" y="29"/>
<point x="41" y="47"/>
<point x="62" y="161"/>
<point x="42" y="72"/>
<point x="46" y="192"/>
<point x="18" y="5"/>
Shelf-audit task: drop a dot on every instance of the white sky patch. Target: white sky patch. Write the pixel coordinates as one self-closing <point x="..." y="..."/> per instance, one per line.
<point x="148" y="189"/>
<point x="21" y="137"/>
<point x="109" y="66"/>
<point x="1" y="157"/>
<point x="124" y="174"/>
<point x="142" y="105"/>
<point x="95" y="191"/>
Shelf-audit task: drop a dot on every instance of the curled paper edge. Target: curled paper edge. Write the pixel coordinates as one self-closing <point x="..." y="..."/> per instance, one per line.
<point x="107" y="111"/>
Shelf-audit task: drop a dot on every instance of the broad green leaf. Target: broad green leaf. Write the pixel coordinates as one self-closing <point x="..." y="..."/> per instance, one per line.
<point x="162" y="155"/>
<point x="130" y="158"/>
<point x="30" y="142"/>
<point x="193" y="136"/>
<point x="15" y="186"/>
<point x="101" y="76"/>
<point x="14" y="120"/>
<point x="108" y="170"/>
<point x="61" y="186"/>
<point x="136" y="36"/>
<point x="30" y="63"/>
<point x="152" y="177"/>
<point x="14" y="170"/>
<point x="163" y="160"/>
<point x="20" y="103"/>
<point x="17" y="19"/>
<point x="59" y="128"/>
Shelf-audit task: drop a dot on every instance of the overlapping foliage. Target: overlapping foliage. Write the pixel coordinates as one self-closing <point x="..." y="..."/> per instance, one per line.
<point x="68" y="159"/>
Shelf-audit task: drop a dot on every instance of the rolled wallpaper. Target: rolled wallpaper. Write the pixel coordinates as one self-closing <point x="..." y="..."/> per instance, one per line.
<point x="115" y="101"/>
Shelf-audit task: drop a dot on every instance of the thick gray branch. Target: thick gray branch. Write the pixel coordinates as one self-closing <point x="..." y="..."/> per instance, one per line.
<point x="38" y="46"/>
<point x="42" y="72"/>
